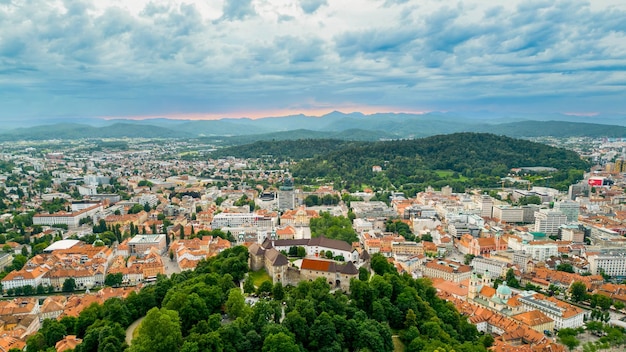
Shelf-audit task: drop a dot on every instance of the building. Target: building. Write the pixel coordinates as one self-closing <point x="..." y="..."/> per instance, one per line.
<point x="572" y="233"/>
<point x="486" y="206"/>
<point x="524" y="261"/>
<point x="447" y="270"/>
<point x="564" y="314"/>
<point x="548" y="221"/>
<point x="375" y="209"/>
<point x="275" y="263"/>
<point x="222" y="220"/>
<point x="507" y="213"/>
<point x="336" y="274"/>
<point x="286" y="195"/>
<point x="72" y="220"/>
<point x="141" y="244"/>
<point x="611" y="262"/>
<point x="541" y="250"/>
<point x="318" y="246"/>
<point x="494" y="267"/>
<point x="570" y="208"/>
<point x="536" y="320"/>
<point x="25" y="277"/>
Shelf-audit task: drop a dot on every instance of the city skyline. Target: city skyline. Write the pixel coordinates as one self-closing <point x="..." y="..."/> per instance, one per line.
<point x="213" y="59"/>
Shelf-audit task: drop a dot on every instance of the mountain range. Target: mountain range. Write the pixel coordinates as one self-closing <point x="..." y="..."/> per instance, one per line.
<point x="338" y="125"/>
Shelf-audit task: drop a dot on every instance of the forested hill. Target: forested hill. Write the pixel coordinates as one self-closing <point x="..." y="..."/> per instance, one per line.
<point x="471" y="155"/>
<point x="205" y="310"/>
<point x="555" y="129"/>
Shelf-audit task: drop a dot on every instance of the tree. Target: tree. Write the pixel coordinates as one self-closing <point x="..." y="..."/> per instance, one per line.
<point x="566" y="267"/>
<point x="511" y="280"/>
<point x="69" y="285"/>
<point x="114" y="280"/>
<point x="301" y="252"/>
<point x="570" y="341"/>
<point x="235" y="304"/>
<point x="280" y="342"/>
<point x="158" y="332"/>
<point x="578" y="290"/>
<point x="381" y="265"/>
<point x="248" y="286"/>
<point x="36" y="342"/>
<point x="52" y="331"/>
<point x="278" y="291"/>
<point x="265" y="287"/>
<point x="364" y="274"/>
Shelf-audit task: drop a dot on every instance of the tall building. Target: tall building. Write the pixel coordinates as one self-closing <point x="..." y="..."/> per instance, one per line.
<point x="548" y="221"/>
<point x="486" y="206"/>
<point x="286" y="195"/>
<point x="569" y="208"/>
<point x="620" y="165"/>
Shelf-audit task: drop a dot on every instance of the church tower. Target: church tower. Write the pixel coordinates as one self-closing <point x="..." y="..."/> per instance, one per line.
<point x="487" y="278"/>
<point x="473" y="287"/>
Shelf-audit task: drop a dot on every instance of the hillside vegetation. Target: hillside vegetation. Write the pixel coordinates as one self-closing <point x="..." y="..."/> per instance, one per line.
<point x="475" y="159"/>
<point x="204" y="310"/>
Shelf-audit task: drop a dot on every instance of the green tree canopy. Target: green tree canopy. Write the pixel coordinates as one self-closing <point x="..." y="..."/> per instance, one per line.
<point x="158" y="332"/>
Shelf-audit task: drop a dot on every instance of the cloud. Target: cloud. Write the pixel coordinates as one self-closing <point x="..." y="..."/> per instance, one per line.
<point x="238" y="9"/>
<point x="310" y="6"/>
<point x="117" y="58"/>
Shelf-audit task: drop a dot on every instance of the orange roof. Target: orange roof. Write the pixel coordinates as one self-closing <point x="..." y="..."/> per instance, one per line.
<point x="318" y="265"/>
<point x="533" y="318"/>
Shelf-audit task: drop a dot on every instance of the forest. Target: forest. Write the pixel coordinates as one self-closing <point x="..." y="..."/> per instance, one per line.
<point x="205" y="310"/>
<point x="460" y="160"/>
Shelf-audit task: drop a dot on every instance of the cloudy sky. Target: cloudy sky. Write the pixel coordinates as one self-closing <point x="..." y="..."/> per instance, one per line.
<point x="232" y="58"/>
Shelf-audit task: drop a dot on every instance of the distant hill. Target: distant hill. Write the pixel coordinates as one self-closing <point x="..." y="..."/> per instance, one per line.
<point x="554" y="129"/>
<point x="335" y="125"/>
<point x="78" y="131"/>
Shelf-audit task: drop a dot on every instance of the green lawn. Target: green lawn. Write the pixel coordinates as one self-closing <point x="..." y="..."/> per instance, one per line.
<point x="259" y="276"/>
<point x="448" y="174"/>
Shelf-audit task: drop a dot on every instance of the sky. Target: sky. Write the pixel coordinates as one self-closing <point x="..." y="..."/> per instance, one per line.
<point x="234" y="58"/>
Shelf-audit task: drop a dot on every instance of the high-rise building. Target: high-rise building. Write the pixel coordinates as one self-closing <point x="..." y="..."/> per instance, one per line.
<point x="569" y="208"/>
<point x="548" y="221"/>
<point x="286" y="195"/>
<point x="486" y="206"/>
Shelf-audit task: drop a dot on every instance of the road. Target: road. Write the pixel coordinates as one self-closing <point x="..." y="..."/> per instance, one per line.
<point x="171" y="267"/>
<point x="131" y="329"/>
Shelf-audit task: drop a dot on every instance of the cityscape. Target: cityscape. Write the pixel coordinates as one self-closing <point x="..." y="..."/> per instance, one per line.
<point x="520" y="261"/>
